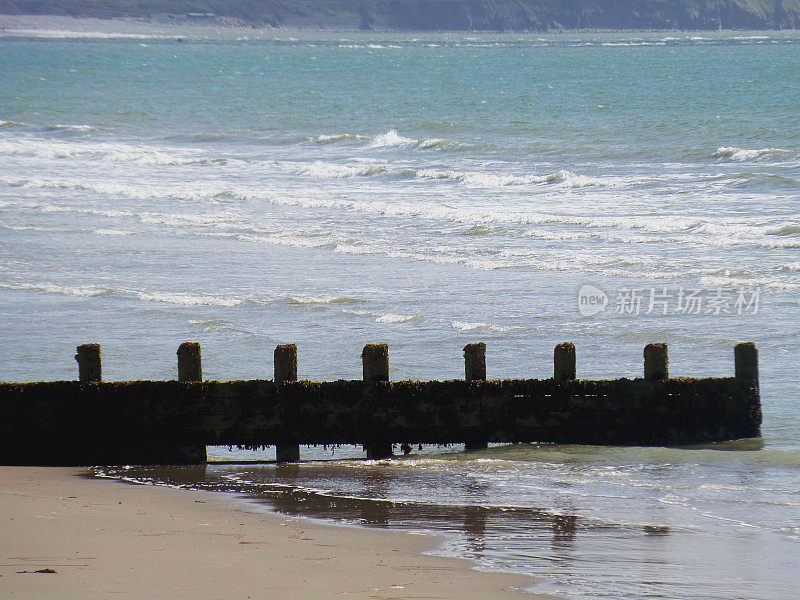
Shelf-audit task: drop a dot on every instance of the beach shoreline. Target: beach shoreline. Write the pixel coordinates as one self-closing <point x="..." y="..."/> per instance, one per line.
<point x="136" y="541"/>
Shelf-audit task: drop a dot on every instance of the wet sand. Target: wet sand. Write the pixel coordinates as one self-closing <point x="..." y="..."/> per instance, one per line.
<point x="109" y="539"/>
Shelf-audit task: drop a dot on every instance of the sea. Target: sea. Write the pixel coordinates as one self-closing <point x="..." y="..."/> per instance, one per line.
<point x="245" y="188"/>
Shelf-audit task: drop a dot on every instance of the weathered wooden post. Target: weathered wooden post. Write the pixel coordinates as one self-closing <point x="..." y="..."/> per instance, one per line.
<point x="656" y="362"/>
<point x="475" y="362"/>
<point x="286" y="370"/>
<point x="475" y="370"/>
<point x="89" y="369"/>
<point x="375" y="364"/>
<point x="564" y="362"/>
<point x="285" y="363"/>
<point x="190" y="366"/>
<point x="746" y="360"/>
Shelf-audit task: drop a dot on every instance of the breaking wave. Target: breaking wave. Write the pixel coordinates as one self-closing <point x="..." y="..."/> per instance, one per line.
<point x="387" y="318"/>
<point x="185" y="299"/>
<point x="465" y="326"/>
<point x="390" y="139"/>
<point x="85" y="291"/>
<point x="72" y="128"/>
<point x="340" y="137"/>
<point x="743" y="154"/>
<point x="320" y="300"/>
<point x="562" y="177"/>
<point x="785" y="230"/>
<point x="109" y="151"/>
<point x="331" y="170"/>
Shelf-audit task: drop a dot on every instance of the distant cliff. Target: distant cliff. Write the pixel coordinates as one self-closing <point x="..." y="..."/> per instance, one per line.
<point x="442" y="15"/>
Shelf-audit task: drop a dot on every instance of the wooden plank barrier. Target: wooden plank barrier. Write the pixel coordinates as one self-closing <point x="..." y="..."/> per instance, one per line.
<point x="94" y="422"/>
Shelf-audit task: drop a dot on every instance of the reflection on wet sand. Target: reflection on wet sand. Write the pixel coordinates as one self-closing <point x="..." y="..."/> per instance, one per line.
<point x="286" y="488"/>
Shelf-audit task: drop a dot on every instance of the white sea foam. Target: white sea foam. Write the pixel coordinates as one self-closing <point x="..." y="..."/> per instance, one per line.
<point x="340" y="137"/>
<point x="562" y="177"/>
<point x="466" y="326"/>
<point x="186" y="299"/>
<point x="337" y="171"/>
<point x="85" y="291"/>
<point x="439" y="143"/>
<point x="785" y="230"/>
<point x="72" y="127"/>
<point x="192" y="220"/>
<point x="113" y="232"/>
<point x="745" y="154"/>
<point x="204" y="322"/>
<point x="40" y="228"/>
<point x="80" y="210"/>
<point x="395" y="318"/>
<point x="542" y="225"/>
<point x="109" y="151"/>
<point x="391" y="139"/>
<point x="134" y="188"/>
<point x="389" y="318"/>
<point x="316" y="300"/>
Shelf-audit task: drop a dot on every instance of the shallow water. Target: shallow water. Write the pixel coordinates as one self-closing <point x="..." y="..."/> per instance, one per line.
<point x="589" y="522"/>
<point x="244" y="189"/>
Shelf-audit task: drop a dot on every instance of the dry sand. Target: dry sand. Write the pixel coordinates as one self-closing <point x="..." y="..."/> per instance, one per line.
<point x="108" y="539"/>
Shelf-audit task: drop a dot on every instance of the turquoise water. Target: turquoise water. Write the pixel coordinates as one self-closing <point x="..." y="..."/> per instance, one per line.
<point x="244" y="189"/>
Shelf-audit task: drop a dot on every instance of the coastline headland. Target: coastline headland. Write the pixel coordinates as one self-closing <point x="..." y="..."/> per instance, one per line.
<point x="146" y="422"/>
<point x="438" y="15"/>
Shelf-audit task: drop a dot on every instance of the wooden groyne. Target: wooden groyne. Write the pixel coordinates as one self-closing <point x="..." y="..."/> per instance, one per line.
<point x="94" y="422"/>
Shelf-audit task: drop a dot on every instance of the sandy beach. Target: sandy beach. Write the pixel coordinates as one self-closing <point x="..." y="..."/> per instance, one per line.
<point x="105" y="538"/>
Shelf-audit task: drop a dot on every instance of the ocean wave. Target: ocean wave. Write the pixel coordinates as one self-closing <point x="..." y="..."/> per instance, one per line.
<point x="113" y="232"/>
<point x="632" y="43"/>
<point x="465" y="326"/>
<point x="439" y="143"/>
<point x="388" y="318"/>
<point x="793" y="267"/>
<point x="106" y="187"/>
<point x="561" y="177"/>
<point x="759" y="180"/>
<point x="748" y="283"/>
<point x="191" y="220"/>
<point x="743" y="154"/>
<point x="108" y="151"/>
<point x="40" y="228"/>
<point x="8" y="123"/>
<point x="290" y="238"/>
<point x="213" y="325"/>
<point x="340" y="137"/>
<point x="317" y="300"/>
<point x="84" y="291"/>
<point x="785" y="230"/>
<point x="336" y="171"/>
<point x="391" y="139"/>
<point x="71" y="128"/>
<point x="477" y="219"/>
<point x="186" y="299"/>
<point x="136" y="189"/>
